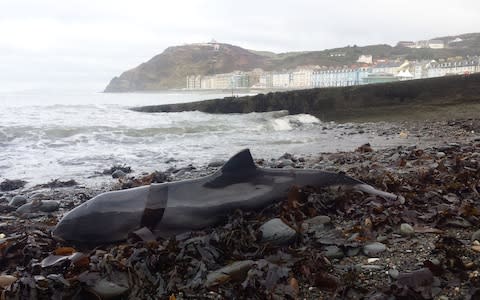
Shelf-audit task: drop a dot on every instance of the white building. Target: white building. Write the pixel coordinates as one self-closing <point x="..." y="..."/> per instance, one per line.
<point x="436" y="44"/>
<point x="194" y="82"/>
<point x="461" y="67"/>
<point x="389" y="67"/>
<point x="301" y="78"/>
<point x="366" y="59"/>
<point x="339" y="77"/>
<point x="404" y="75"/>
<point x="420" y="69"/>
<point x="281" y="80"/>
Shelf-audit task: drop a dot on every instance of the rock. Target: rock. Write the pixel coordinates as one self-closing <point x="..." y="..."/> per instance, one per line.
<point x="107" y="289"/>
<point x="476" y="235"/>
<point x="440" y="154"/>
<point x="277" y="232"/>
<point x="39" y="206"/>
<point x="125" y="169"/>
<point x="393" y="273"/>
<point x="371" y="267"/>
<point x="353" y="251"/>
<point x="38" y="196"/>
<point x="316" y="223"/>
<point x="10" y="185"/>
<point x="285" y="163"/>
<point x="118" y="174"/>
<point x="318" y="220"/>
<point x="7" y="280"/>
<point x="373" y="249"/>
<point x="57" y="183"/>
<point x="287" y="156"/>
<point x="17" y="201"/>
<point x="406" y="229"/>
<point x="333" y="252"/>
<point x="236" y="271"/>
<point x="416" y="279"/>
<point x="216" y="163"/>
<point x="365" y="148"/>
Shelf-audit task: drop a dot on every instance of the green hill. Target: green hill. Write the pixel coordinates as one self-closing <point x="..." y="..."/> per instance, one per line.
<point x="169" y="69"/>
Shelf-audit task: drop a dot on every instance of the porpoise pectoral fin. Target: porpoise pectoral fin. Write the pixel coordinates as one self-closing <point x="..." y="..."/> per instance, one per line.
<point x="155" y="205"/>
<point x="373" y="191"/>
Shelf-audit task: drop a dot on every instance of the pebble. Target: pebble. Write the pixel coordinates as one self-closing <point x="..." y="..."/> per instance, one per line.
<point x="107" y="289"/>
<point x="318" y="220"/>
<point x="371" y="267"/>
<point x="118" y="174"/>
<point x="316" y="223"/>
<point x="353" y="251"/>
<point x="39" y="206"/>
<point x="285" y="163"/>
<point x="277" y="232"/>
<point x="393" y="273"/>
<point x="476" y="235"/>
<point x="216" y="163"/>
<point x="374" y="248"/>
<point x="440" y="154"/>
<point x="237" y="270"/>
<point x="406" y="229"/>
<point x="333" y="252"/>
<point x="18" y="201"/>
<point x="38" y="196"/>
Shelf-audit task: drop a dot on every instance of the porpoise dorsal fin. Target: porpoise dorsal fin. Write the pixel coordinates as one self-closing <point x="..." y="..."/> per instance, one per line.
<point x="241" y="161"/>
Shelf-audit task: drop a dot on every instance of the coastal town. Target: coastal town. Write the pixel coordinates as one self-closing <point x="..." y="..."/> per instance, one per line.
<point x="366" y="70"/>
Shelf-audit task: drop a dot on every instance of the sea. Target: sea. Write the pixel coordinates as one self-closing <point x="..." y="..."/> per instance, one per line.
<point x="48" y="135"/>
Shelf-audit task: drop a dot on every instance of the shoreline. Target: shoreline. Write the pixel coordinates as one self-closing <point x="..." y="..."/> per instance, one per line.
<point x="440" y="183"/>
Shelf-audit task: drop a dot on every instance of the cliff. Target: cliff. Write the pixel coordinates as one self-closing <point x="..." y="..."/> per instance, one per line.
<point x="169" y="69"/>
<point x="444" y="97"/>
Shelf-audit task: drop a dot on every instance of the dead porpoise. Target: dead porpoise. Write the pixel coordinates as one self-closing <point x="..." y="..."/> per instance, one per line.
<point x="167" y="209"/>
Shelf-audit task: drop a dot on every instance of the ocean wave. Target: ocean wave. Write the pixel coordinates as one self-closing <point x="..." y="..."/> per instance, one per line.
<point x="291" y="122"/>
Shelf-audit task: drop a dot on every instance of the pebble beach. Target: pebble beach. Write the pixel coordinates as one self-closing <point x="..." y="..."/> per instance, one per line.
<point x="314" y="244"/>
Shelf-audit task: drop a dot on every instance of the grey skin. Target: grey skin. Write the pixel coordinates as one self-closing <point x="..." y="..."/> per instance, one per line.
<point x="172" y="208"/>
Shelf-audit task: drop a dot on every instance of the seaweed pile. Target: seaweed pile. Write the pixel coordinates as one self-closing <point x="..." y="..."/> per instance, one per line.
<point x="328" y="243"/>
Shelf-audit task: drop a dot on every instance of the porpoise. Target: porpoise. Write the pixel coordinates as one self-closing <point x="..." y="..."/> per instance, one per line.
<point x="171" y="208"/>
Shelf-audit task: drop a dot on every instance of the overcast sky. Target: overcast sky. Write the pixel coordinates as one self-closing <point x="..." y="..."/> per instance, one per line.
<point x="83" y="44"/>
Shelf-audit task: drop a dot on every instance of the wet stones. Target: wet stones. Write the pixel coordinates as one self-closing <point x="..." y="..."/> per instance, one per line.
<point x="406" y="229"/>
<point x="277" y="232"/>
<point x="17" y="201"/>
<point x="317" y="223"/>
<point x="236" y="271"/>
<point x="10" y="185"/>
<point x="118" y="174"/>
<point x="38" y="206"/>
<point x="476" y="235"/>
<point x="216" y="163"/>
<point x="373" y="249"/>
<point x="108" y="289"/>
<point x="333" y="252"/>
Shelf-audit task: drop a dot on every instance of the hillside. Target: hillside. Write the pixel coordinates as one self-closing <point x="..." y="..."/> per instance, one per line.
<point x="169" y="69"/>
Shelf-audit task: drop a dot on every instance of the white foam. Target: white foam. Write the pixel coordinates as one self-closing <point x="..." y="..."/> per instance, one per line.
<point x="281" y="124"/>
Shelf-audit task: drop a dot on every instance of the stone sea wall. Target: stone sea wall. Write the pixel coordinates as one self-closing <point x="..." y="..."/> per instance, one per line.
<point x="418" y="99"/>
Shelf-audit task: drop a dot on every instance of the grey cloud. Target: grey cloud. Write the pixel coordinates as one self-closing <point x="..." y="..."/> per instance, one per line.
<point x="113" y="36"/>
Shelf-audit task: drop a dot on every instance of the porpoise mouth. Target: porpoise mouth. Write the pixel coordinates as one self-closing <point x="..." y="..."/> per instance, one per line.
<point x="373" y="191"/>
